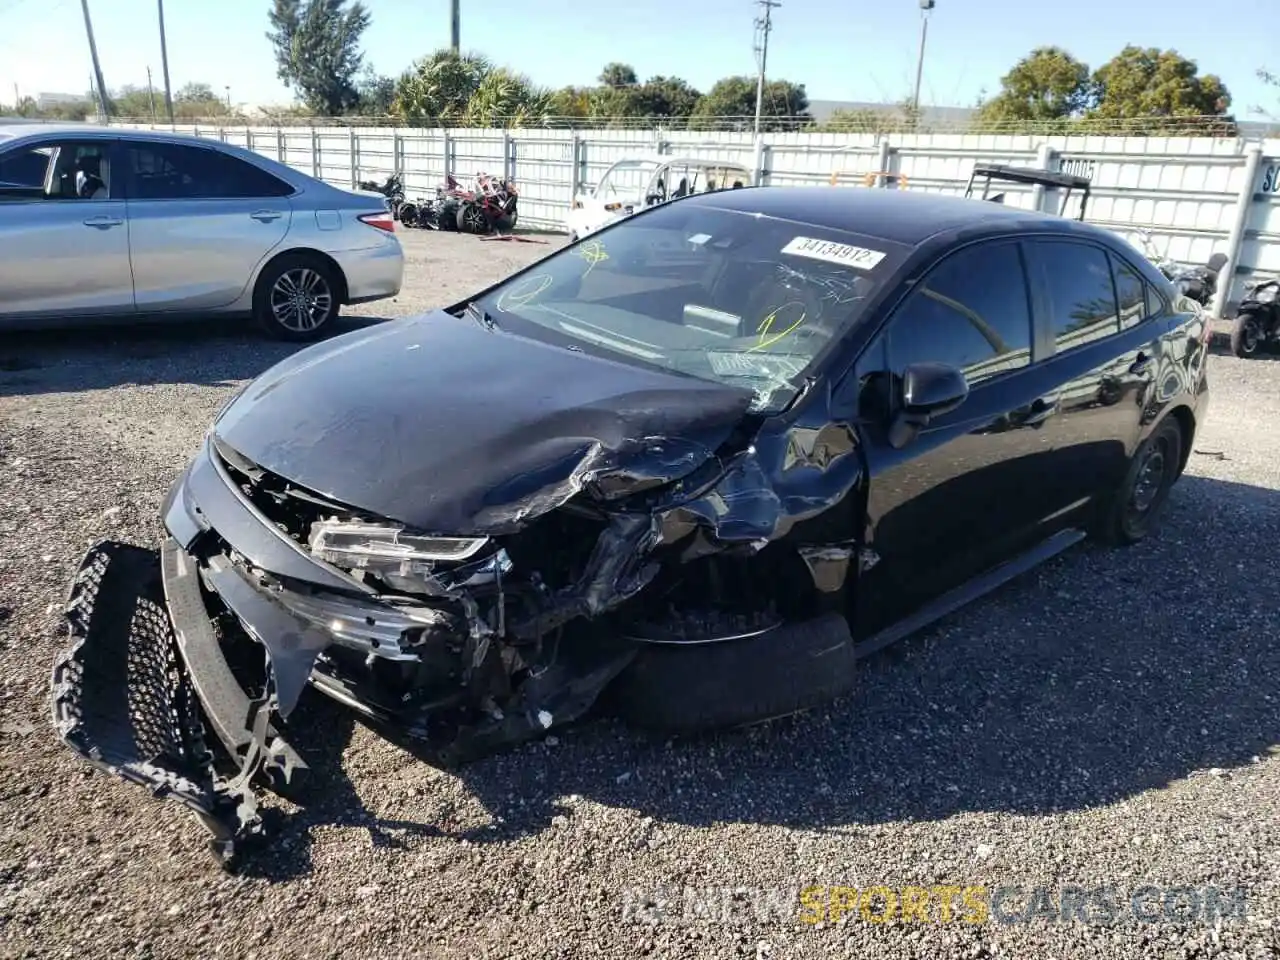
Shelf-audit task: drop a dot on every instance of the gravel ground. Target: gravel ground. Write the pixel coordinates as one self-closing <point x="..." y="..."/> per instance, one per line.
<point x="1111" y="719"/>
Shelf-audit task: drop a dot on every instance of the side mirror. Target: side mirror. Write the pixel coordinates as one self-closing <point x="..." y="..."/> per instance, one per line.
<point x="929" y="390"/>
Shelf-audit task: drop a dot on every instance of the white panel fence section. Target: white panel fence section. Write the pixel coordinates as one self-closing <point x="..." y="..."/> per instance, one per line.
<point x="1194" y="195"/>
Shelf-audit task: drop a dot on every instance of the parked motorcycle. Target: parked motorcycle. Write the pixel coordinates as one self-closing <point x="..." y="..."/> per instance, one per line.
<point x="392" y="188"/>
<point x="1198" y="283"/>
<point x="1257" y="323"/>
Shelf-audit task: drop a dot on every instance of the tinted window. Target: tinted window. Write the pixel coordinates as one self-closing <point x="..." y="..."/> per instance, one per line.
<point x="25" y="167"/>
<point x="172" y="172"/>
<point x="1081" y="296"/>
<point x="1155" y="302"/>
<point x="972" y="311"/>
<point x="1131" y="293"/>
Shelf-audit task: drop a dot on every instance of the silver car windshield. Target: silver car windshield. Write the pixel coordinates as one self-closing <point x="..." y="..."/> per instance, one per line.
<point x="739" y="298"/>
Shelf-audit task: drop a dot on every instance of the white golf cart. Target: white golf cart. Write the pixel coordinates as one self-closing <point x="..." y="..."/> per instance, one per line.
<point x="641" y="181"/>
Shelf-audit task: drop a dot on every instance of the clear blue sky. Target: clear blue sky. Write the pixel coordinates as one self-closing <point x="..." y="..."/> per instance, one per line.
<point x="841" y="49"/>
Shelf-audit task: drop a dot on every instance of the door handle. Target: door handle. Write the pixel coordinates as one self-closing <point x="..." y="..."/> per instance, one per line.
<point x="1038" y="412"/>
<point x="103" y="223"/>
<point x="266" y="216"/>
<point x="1141" y="365"/>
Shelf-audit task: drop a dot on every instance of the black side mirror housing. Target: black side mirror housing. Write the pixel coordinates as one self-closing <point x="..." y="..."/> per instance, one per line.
<point x="929" y="390"/>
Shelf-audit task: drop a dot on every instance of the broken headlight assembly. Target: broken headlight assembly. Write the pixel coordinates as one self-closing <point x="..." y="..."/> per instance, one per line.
<point x="406" y="561"/>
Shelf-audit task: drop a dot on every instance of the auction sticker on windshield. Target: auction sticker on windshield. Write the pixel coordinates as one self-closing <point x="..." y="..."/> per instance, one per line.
<point x="843" y="253"/>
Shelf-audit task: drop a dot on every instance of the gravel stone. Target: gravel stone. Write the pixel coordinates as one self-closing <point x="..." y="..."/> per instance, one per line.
<point x="1109" y="719"/>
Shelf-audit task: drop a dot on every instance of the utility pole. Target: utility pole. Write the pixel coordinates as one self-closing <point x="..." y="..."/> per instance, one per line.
<point x="457" y="26"/>
<point x="925" y="7"/>
<point x="97" y="67"/>
<point x="764" y="24"/>
<point x="151" y="95"/>
<point x="164" y="63"/>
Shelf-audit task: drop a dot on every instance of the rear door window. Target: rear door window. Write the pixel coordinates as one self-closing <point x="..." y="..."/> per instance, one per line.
<point x="25" y="166"/>
<point x="1080" y="291"/>
<point x="168" y="171"/>
<point x="1131" y="293"/>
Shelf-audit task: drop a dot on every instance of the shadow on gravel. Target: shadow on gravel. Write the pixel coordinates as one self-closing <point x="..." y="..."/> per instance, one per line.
<point x="213" y="352"/>
<point x="1106" y="673"/>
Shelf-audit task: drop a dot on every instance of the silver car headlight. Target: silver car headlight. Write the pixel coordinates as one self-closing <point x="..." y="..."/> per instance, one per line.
<point x="386" y="549"/>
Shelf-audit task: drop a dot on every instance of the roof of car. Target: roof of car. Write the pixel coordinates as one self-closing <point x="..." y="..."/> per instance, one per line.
<point x="899" y="216"/>
<point x="12" y="130"/>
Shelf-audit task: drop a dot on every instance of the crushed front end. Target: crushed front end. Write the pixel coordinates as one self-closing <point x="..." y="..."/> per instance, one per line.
<point x="437" y="637"/>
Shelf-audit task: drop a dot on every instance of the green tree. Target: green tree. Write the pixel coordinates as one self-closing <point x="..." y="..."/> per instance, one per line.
<point x="861" y="120"/>
<point x="734" y="99"/>
<point x="618" y="75"/>
<point x="317" y="46"/>
<point x="376" y="93"/>
<point x="134" y="102"/>
<point x="666" y="97"/>
<point x="1047" y="85"/>
<point x="571" y="103"/>
<point x="504" y="98"/>
<point x="1141" y="83"/>
<point x="437" y="89"/>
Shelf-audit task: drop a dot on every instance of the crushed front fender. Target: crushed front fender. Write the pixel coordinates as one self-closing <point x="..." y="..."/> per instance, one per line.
<point x="123" y="699"/>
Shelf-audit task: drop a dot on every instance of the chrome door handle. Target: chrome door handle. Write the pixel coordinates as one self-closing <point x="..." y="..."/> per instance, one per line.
<point x="266" y="216"/>
<point x="103" y="223"/>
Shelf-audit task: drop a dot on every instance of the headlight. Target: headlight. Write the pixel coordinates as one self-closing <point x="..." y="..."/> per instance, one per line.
<point x="387" y="550"/>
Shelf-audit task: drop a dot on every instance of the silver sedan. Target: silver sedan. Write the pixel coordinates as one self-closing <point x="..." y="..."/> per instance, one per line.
<point x="100" y="223"/>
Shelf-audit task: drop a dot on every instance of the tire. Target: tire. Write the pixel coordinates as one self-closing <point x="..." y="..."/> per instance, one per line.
<point x="447" y="217"/>
<point x="1246" y="335"/>
<point x="308" y="277"/>
<point x="1134" y="510"/>
<point x="471" y="219"/>
<point x="409" y="214"/>
<point x="694" y="687"/>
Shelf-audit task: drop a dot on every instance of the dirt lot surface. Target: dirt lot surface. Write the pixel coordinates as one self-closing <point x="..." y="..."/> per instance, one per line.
<point x="1109" y="720"/>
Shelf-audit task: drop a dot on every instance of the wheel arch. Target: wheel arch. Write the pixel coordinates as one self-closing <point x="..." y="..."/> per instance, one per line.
<point x="335" y="269"/>
<point x="1186" y="420"/>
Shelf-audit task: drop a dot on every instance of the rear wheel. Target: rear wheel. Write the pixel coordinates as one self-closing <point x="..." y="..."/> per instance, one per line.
<point x="1134" y="511"/>
<point x="1246" y="335"/>
<point x="296" y="298"/>
<point x="471" y="219"/>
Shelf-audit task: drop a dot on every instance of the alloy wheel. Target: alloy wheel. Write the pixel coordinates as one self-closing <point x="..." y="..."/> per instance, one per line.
<point x="301" y="300"/>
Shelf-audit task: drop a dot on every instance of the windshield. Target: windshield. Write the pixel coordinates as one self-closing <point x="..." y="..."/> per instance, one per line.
<point x="625" y="180"/>
<point x="733" y="297"/>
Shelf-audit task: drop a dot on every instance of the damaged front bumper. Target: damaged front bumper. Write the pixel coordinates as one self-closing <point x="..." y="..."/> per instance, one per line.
<point x="154" y="685"/>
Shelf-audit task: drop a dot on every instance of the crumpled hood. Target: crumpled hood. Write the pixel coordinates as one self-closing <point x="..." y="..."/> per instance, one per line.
<point x="449" y="427"/>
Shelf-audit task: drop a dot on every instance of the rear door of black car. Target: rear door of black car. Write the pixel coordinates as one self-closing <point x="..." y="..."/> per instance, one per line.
<point x="1105" y="346"/>
<point x="969" y="489"/>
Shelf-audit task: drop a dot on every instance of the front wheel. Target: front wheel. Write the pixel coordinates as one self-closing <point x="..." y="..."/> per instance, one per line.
<point x="1134" y="510"/>
<point x="296" y="298"/>
<point x="471" y="219"/>
<point x="1246" y="335"/>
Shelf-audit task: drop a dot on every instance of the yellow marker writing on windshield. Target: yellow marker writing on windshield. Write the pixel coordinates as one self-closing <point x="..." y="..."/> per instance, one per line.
<point x="767" y="337"/>
<point x="535" y="284"/>
<point x="593" y="252"/>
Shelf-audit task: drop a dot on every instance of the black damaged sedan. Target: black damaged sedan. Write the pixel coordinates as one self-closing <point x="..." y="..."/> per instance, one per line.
<point x="687" y="471"/>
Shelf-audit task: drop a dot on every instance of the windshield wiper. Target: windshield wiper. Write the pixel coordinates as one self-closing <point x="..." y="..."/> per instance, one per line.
<point x="481" y="316"/>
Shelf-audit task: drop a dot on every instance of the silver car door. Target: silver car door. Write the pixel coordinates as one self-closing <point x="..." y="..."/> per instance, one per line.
<point x="61" y="253"/>
<point x="200" y="223"/>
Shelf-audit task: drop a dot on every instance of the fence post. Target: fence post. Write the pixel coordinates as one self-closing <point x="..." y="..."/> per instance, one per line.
<point x="508" y="157"/>
<point x="353" y="152"/>
<point x="446" y="147"/>
<point x="396" y="150"/>
<point x="280" y="151"/>
<point x="883" y="160"/>
<point x="248" y="138"/>
<point x="758" y="161"/>
<point x="575" y="171"/>
<point x="1044" y="157"/>
<point x="315" y="154"/>
<point x="1235" y="240"/>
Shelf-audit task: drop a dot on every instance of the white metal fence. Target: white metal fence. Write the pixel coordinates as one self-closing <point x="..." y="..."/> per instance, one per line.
<point x="1195" y="195"/>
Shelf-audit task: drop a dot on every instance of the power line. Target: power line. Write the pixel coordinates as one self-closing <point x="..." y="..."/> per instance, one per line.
<point x="763" y="24"/>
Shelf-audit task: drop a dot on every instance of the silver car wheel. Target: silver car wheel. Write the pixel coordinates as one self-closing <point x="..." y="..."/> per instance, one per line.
<point x="301" y="300"/>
